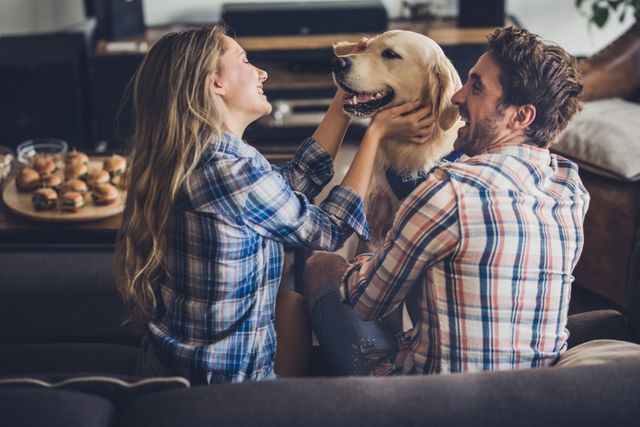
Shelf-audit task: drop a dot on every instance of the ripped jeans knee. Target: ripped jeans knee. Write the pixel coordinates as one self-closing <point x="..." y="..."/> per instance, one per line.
<point x="351" y="346"/>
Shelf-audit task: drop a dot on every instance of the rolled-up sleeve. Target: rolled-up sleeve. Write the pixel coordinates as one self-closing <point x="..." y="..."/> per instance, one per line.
<point x="274" y="210"/>
<point x="425" y="230"/>
<point x="310" y="169"/>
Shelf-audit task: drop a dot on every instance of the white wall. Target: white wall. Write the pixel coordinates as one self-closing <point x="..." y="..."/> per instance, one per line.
<point x="559" y="21"/>
<point x="555" y="20"/>
<point x="22" y="16"/>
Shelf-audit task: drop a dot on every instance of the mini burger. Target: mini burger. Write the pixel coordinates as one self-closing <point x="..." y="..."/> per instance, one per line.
<point x="45" y="166"/>
<point x="75" y="185"/>
<point x="97" y="178"/>
<point x="76" y="171"/>
<point x="76" y="157"/>
<point x="115" y="165"/>
<point x="104" y="194"/>
<point x="44" y="199"/>
<point x="28" y="180"/>
<point x="52" y="181"/>
<point x="71" y="201"/>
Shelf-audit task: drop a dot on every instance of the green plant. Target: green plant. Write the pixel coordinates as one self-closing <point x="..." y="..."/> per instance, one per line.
<point x="600" y="10"/>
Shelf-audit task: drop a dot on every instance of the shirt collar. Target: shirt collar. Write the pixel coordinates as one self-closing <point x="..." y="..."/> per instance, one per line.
<point x="532" y="153"/>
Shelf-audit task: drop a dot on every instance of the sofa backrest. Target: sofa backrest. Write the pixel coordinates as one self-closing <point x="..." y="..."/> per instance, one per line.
<point x="633" y="312"/>
<point x="59" y="294"/>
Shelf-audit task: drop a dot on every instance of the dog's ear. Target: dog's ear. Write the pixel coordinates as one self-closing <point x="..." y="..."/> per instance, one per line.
<point x="343" y="48"/>
<point x="441" y="91"/>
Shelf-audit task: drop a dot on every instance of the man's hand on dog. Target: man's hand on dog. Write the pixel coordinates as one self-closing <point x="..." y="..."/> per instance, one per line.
<point x="408" y="122"/>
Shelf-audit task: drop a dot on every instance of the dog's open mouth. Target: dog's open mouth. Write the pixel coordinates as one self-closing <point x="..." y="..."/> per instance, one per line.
<point x="365" y="103"/>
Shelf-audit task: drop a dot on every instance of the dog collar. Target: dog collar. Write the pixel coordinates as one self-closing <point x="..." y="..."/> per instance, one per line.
<point x="402" y="184"/>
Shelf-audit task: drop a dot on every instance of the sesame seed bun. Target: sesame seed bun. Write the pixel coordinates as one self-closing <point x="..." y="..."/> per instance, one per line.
<point x="71" y="201"/>
<point x="115" y="163"/>
<point x="76" y="157"/>
<point x="27" y="180"/>
<point x="44" y="167"/>
<point x="97" y="178"/>
<point x="104" y="194"/>
<point x="52" y="181"/>
<point x="44" y="199"/>
<point x="76" y="171"/>
<point x="75" y="185"/>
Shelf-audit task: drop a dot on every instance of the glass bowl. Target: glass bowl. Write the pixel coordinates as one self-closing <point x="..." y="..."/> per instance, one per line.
<point x="6" y="162"/>
<point x="41" y="146"/>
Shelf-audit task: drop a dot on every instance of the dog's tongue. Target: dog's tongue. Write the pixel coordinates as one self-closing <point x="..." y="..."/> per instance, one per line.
<point x="364" y="97"/>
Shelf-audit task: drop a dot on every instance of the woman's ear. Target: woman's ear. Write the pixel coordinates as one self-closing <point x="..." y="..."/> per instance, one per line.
<point x="216" y="85"/>
<point x="343" y="48"/>
<point x="442" y="89"/>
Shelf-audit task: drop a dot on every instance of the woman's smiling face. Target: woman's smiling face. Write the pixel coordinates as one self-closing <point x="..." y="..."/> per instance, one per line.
<point x="240" y="85"/>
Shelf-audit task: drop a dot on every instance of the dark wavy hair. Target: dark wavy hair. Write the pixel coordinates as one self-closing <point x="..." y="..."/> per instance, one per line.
<point x="538" y="73"/>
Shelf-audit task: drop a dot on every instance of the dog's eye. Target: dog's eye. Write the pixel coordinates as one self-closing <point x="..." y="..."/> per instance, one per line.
<point x="390" y="54"/>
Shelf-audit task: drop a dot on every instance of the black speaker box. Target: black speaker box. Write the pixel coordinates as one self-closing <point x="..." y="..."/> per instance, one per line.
<point x="44" y="88"/>
<point x="302" y="18"/>
<point x="481" y="13"/>
<point x="117" y="19"/>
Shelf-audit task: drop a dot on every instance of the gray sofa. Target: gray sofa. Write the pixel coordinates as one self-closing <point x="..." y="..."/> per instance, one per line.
<point x="65" y="359"/>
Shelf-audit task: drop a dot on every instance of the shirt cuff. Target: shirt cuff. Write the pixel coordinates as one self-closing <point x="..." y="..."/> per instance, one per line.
<point x="344" y="203"/>
<point x="314" y="161"/>
<point x="356" y="264"/>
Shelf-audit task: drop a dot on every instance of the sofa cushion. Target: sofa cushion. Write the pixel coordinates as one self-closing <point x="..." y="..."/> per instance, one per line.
<point x="579" y="396"/>
<point x="118" y="389"/>
<point x="600" y="352"/>
<point x="603" y="138"/>
<point x="35" y="408"/>
<point x="18" y="359"/>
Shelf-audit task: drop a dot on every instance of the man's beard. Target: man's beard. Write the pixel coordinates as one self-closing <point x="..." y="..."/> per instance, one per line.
<point x="480" y="137"/>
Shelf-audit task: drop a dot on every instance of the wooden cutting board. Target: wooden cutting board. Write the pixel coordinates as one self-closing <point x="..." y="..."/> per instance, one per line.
<point x="20" y="203"/>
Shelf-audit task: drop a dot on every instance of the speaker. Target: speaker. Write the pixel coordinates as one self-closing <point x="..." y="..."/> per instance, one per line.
<point x="481" y="13"/>
<point x="303" y="18"/>
<point x="117" y="19"/>
<point x="44" y="88"/>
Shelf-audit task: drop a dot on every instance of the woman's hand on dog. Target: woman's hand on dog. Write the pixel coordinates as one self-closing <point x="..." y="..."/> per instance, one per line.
<point x="406" y="122"/>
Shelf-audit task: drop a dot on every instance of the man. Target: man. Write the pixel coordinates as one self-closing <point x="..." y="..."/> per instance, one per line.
<point x="486" y="245"/>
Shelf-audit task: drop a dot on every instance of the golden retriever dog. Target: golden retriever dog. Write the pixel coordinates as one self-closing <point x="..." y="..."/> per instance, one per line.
<point x="396" y="67"/>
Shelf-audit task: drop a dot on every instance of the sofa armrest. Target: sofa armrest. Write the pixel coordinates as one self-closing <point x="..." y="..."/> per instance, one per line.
<point x="598" y="324"/>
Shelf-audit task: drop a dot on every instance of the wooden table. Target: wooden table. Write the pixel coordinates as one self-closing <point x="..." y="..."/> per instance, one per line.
<point x="18" y="230"/>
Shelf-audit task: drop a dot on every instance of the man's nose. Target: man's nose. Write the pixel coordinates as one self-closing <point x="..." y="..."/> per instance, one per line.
<point x="341" y="64"/>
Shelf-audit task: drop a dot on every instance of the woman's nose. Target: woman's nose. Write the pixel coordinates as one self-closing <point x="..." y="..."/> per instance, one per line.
<point x="262" y="75"/>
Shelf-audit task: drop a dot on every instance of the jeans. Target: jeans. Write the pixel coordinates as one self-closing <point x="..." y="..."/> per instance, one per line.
<point x="350" y="345"/>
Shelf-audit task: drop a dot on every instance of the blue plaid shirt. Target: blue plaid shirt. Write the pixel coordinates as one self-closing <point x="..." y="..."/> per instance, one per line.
<point x="225" y="254"/>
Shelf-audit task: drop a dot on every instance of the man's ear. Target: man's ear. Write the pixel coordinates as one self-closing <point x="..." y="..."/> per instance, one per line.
<point x="216" y="85"/>
<point x="523" y="117"/>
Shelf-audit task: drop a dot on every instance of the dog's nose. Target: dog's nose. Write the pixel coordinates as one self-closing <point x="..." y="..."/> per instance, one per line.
<point x="340" y="64"/>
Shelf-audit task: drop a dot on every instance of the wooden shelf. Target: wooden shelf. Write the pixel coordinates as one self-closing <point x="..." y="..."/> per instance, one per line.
<point x="444" y="32"/>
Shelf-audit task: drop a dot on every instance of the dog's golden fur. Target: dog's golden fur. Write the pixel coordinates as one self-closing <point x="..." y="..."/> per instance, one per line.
<point x="417" y="69"/>
<point x="422" y="72"/>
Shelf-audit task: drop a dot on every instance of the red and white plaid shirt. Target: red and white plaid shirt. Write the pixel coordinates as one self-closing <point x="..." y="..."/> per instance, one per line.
<point x="491" y="242"/>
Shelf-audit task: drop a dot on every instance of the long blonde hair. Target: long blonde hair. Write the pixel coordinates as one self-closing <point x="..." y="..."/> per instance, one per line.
<point x="175" y="119"/>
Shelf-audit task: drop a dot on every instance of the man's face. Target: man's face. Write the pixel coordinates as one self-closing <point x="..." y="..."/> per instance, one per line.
<point x="479" y="104"/>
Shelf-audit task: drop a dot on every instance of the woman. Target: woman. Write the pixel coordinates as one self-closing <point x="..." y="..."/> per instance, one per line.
<point x="199" y="255"/>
